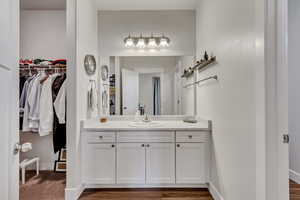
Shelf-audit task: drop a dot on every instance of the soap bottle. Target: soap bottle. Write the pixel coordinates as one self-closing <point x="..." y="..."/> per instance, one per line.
<point x="137" y="116"/>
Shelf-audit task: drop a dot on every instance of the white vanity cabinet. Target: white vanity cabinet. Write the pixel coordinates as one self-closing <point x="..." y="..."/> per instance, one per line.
<point x="98" y="158"/>
<point x="145" y="158"/>
<point x="160" y="163"/>
<point x="131" y="162"/>
<point x="192" y="157"/>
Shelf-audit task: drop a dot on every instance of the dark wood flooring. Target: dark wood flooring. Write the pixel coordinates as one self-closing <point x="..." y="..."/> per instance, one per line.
<point x="50" y="186"/>
<point x="147" y="194"/>
<point x="47" y="186"/>
<point x="294" y="191"/>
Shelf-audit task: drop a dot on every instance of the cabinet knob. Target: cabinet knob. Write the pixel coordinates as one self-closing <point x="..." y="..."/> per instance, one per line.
<point x="143" y="145"/>
<point x="148" y="145"/>
<point x="190" y="136"/>
<point x="113" y="146"/>
<point x="178" y="145"/>
<point x="100" y="137"/>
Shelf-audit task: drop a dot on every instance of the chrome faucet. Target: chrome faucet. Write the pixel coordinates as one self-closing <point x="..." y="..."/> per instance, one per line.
<point x="142" y="109"/>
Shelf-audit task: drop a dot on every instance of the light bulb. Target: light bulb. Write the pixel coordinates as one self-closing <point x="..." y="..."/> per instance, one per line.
<point x="141" y="43"/>
<point x="164" y="42"/>
<point x="129" y="42"/>
<point x="152" y="43"/>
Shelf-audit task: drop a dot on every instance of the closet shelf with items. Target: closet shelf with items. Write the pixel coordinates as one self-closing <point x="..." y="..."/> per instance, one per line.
<point x="43" y="99"/>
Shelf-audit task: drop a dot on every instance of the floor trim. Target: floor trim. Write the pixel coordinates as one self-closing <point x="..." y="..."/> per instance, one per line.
<point x="214" y="192"/>
<point x="74" y="193"/>
<point x="294" y="176"/>
<point x="92" y="186"/>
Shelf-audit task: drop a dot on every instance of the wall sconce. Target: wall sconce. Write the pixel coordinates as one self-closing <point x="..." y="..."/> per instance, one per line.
<point x="151" y="42"/>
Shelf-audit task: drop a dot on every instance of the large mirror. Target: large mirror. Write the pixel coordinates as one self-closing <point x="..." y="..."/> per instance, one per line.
<point x="150" y="84"/>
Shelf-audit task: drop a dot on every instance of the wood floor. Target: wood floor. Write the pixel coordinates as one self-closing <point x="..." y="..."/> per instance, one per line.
<point x="147" y="194"/>
<point x="50" y="186"/>
<point x="294" y="191"/>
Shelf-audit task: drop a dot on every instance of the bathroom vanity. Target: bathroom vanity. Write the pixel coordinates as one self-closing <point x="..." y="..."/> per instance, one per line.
<point x="165" y="153"/>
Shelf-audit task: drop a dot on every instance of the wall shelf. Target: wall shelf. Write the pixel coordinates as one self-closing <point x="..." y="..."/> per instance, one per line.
<point x="200" y="65"/>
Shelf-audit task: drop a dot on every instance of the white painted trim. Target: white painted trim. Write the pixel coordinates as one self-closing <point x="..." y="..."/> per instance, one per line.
<point x="295" y="176"/>
<point x="276" y="99"/>
<point x="214" y="192"/>
<point x="74" y="193"/>
<point x="146" y="186"/>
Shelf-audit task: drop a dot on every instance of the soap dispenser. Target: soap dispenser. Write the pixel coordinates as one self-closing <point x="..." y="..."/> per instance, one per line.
<point x="137" y="116"/>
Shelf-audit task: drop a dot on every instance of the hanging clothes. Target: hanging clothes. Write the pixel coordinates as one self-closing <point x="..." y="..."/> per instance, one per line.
<point x="60" y="104"/>
<point x="59" y="129"/>
<point x="25" y="125"/>
<point x="46" y="107"/>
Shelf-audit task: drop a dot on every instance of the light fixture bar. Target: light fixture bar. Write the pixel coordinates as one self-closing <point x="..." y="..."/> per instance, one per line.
<point x="151" y="42"/>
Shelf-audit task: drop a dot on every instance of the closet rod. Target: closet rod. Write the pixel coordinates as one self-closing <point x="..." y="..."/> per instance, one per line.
<point x="202" y="80"/>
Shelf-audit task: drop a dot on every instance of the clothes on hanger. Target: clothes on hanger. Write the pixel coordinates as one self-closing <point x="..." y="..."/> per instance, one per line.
<point x="59" y="125"/>
<point x="46" y="104"/>
<point x="43" y="103"/>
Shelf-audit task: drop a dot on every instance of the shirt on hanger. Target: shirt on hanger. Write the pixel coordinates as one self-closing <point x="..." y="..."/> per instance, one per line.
<point x="46" y="107"/>
<point x="60" y="104"/>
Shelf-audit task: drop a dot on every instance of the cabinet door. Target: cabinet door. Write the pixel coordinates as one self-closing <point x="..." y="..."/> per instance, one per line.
<point x="99" y="163"/>
<point x="160" y="163"/>
<point x="131" y="163"/>
<point x="191" y="163"/>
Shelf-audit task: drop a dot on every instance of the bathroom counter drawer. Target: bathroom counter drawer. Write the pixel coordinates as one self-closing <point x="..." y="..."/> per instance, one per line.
<point x="100" y="137"/>
<point x="146" y="136"/>
<point x="192" y="136"/>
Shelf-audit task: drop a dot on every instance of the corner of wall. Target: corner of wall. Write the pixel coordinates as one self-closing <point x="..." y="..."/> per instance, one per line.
<point x="214" y="192"/>
<point x="73" y="193"/>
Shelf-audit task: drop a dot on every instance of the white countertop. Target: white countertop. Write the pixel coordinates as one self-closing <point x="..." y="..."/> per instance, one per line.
<point x="126" y="125"/>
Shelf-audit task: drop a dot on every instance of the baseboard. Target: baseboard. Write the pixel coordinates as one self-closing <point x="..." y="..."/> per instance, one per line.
<point x="294" y="176"/>
<point x="214" y="192"/>
<point x="73" y="193"/>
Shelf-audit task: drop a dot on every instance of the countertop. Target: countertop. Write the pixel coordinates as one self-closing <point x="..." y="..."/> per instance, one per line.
<point x="126" y="125"/>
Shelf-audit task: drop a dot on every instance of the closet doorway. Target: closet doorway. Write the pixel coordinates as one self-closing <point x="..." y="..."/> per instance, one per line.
<point x="42" y="73"/>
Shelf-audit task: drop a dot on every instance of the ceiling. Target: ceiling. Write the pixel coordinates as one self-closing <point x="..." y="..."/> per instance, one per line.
<point x="43" y="4"/>
<point x="146" y="4"/>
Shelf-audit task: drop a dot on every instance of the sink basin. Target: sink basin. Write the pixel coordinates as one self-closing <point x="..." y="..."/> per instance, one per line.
<point x="145" y="124"/>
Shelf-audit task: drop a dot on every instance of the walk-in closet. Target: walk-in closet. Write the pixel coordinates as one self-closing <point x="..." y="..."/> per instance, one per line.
<point x="42" y="73"/>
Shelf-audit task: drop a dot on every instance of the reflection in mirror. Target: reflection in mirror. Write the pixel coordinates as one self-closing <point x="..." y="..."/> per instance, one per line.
<point x="150" y="84"/>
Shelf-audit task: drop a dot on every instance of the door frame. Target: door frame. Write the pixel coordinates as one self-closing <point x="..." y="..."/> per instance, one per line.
<point x="276" y="100"/>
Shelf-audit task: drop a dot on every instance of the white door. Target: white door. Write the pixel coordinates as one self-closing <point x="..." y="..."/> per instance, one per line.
<point x="9" y="90"/>
<point x="131" y="163"/>
<point x="130" y="91"/>
<point x="282" y="100"/>
<point x="99" y="163"/>
<point x="191" y="163"/>
<point x="160" y="163"/>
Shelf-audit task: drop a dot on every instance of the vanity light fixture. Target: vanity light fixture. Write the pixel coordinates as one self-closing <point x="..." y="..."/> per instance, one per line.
<point x="141" y="44"/>
<point x="129" y="42"/>
<point x="151" y="42"/>
<point x="164" y="42"/>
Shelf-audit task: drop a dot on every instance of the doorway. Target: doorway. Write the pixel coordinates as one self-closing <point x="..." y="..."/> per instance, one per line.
<point x="294" y="97"/>
<point x="42" y="75"/>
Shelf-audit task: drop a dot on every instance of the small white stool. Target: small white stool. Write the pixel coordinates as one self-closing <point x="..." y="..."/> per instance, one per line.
<point x="28" y="162"/>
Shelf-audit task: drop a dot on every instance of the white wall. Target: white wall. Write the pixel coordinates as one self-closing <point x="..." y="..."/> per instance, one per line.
<point x="188" y="94"/>
<point x="114" y="26"/>
<point x="85" y="32"/>
<point x="227" y="28"/>
<point x="166" y="65"/>
<point x="294" y="92"/>
<point x="43" y="34"/>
